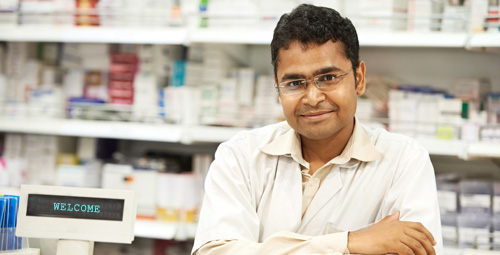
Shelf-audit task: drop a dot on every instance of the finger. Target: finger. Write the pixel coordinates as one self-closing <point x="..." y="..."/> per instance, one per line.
<point x="422" y="239"/>
<point x="419" y="227"/>
<point x="392" y="217"/>
<point x="403" y="249"/>
<point x="414" y="245"/>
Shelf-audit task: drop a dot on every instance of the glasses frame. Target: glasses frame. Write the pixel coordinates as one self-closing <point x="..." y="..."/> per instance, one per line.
<point x="306" y="82"/>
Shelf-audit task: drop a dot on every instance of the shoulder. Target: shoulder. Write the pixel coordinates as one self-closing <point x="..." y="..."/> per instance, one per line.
<point x="404" y="157"/>
<point x="241" y="154"/>
<point x="392" y="143"/>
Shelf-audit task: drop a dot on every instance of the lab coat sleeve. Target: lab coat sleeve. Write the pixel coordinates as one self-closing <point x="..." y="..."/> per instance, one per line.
<point x="413" y="193"/>
<point x="229" y="223"/>
<point x="281" y="243"/>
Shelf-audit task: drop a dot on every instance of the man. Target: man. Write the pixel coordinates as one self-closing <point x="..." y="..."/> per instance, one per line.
<point x="321" y="182"/>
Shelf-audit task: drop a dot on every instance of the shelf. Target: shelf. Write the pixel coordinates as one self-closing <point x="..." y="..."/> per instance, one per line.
<point x="231" y="35"/>
<point x="412" y="39"/>
<point x="484" y="40"/>
<point x="98" y="129"/>
<point x="120" y="130"/>
<point x="444" y="147"/>
<point x="208" y="134"/>
<point x="174" y="35"/>
<point x="164" y="230"/>
<point x="484" y="150"/>
<point x="234" y="35"/>
<point x="366" y="38"/>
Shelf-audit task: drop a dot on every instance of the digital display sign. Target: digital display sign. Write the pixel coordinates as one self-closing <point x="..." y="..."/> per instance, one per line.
<point x="74" y="207"/>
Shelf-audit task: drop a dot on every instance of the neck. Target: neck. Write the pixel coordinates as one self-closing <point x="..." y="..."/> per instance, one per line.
<point x="320" y="152"/>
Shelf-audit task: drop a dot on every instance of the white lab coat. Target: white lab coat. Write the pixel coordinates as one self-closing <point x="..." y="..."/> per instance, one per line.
<point x="251" y="195"/>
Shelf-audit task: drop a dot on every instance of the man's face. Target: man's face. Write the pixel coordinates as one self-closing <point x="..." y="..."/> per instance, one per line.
<point x="319" y="114"/>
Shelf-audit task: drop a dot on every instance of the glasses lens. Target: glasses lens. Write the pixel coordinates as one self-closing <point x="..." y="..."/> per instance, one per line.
<point x="292" y="87"/>
<point x="326" y="80"/>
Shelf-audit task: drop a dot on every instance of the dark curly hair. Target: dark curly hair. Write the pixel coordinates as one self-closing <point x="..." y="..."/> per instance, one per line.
<point x="312" y="24"/>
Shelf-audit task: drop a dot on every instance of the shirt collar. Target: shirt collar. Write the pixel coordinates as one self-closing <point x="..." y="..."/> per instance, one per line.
<point x="358" y="147"/>
<point x="287" y="144"/>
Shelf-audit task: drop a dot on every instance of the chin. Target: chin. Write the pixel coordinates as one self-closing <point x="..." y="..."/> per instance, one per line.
<point x="317" y="135"/>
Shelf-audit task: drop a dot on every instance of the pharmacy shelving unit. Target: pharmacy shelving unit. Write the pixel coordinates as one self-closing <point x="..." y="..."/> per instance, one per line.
<point x="188" y="134"/>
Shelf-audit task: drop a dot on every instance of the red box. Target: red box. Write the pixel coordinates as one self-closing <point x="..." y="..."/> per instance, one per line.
<point x="122" y="76"/>
<point x="121" y="100"/>
<point x="124" y="58"/>
<point x="121" y="93"/>
<point x="122" y="68"/>
<point x="120" y="84"/>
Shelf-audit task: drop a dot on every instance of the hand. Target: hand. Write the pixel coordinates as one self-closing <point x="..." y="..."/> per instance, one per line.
<point x="392" y="236"/>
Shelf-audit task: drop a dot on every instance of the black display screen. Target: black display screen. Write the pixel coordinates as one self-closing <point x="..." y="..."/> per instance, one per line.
<point x="75" y="207"/>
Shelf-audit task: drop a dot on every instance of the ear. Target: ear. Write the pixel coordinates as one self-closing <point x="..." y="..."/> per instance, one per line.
<point x="360" y="79"/>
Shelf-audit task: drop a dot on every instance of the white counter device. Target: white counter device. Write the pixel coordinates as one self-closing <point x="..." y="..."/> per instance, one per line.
<point x="76" y="216"/>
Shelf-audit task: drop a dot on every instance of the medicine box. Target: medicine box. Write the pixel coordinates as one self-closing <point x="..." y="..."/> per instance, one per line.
<point x="475" y="196"/>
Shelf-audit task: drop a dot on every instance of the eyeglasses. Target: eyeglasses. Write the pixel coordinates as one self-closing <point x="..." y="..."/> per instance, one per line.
<point x="299" y="86"/>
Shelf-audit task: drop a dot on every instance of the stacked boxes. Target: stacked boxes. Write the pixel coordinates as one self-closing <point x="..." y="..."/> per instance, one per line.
<point x="122" y="72"/>
<point x="421" y="15"/>
<point x="474" y="219"/>
<point x="496" y="215"/>
<point x="493" y="106"/>
<point x="95" y="63"/>
<point x="473" y="90"/>
<point x="477" y="16"/>
<point x="493" y="24"/>
<point x="165" y="192"/>
<point x="470" y="213"/>
<point x="453" y="17"/>
<point x="422" y="111"/>
<point x="9" y="12"/>
<point x="47" y="12"/>
<point x="449" y="117"/>
<point x="86" y="13"/>
<point x="246" y="96"/>
<point x="384" y="15"/>
<point x="25" y="154"/>
<point x="403" y="110"/>
<point x="145" y="106"/>
<point x="267" y="107"/>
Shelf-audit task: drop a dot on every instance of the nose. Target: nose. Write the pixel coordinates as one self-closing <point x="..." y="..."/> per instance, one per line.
<point x="313" y="95"/>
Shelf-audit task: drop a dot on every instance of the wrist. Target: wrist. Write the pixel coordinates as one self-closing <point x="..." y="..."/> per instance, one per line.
<point x="351" y="242"/>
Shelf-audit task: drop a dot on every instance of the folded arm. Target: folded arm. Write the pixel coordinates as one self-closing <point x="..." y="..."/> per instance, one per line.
<point x="280" y="243"/>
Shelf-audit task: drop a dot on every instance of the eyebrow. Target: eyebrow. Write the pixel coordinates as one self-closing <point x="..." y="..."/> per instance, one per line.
<point x="294" y="76"/>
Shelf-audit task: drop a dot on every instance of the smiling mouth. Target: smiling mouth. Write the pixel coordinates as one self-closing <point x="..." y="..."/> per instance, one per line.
<point x="316" y="115"/>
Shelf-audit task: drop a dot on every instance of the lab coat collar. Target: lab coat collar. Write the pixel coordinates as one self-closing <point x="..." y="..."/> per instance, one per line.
<point x="358" y="147"/>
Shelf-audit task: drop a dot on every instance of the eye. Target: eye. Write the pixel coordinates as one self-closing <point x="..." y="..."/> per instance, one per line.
<point x="327" y="77"/>
<point x="293" y="84"/>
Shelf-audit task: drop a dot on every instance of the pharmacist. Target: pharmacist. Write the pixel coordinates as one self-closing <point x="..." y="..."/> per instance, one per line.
<point x="321" y="182"/>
